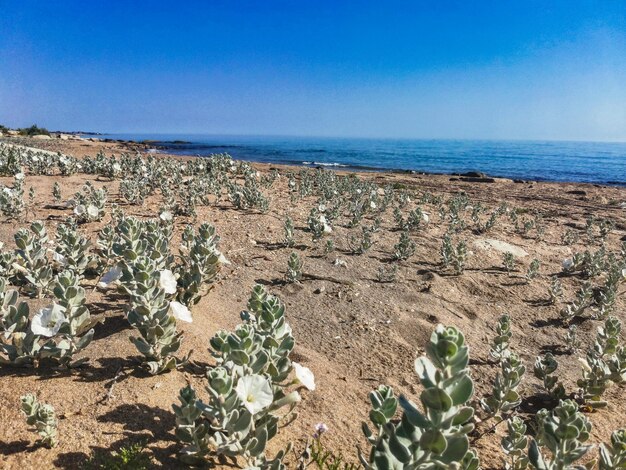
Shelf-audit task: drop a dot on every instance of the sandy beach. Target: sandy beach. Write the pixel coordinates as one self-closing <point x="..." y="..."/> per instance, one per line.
<point x="352" y="331"/>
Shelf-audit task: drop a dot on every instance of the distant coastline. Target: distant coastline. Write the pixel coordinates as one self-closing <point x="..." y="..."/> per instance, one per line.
<point x="520" y="161"/>
<point x="578" y="162"/>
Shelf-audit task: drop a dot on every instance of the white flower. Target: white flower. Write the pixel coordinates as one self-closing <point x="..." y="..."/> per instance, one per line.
<point x="255" y="391"/>
<point x="19" y="176"/>
<point x="79" y="209"/>
<point x="111" y="275"/>
<point x="624" y="273"/>
<point x="59" y="258"/>
<point x="92" y="211"/>
<point x="221" y="258"/>
<point x="116" y="167"/>
<point x="304" y="376"/>
<point x="322" y="208"/>
<point x="567" y="264"/>
<point x="167" y="281"/>
<point x="327" y="228"/>
<point x="181" y="312"/>
<point x="372" y="205"/>
<point x="48" y="321"/>
<point x="584" y="363"/>
<point x="166" y="216"/>
<point x="425" y="217"/>
<point x="6" y="190"/>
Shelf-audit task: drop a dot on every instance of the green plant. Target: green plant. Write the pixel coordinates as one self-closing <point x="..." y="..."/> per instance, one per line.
<point x="56" y="192"/>
<point x="500" y="342"/>
<point x="318" y="454"/>
<point x="509" y="262"/>
<point x="387" y="274"/>
<point x="436" y="437"/>
<point x="603" y="362"/>
<point x="200" y="263"/>
<point x="89" y="204"/>
<point x="31" y="258"/>
<point x="69" y="335"/>
<point x="613" y="455"/>
<point x="131" y="457"/>
<point x="72" y="251"/>
<point x="544" y="368"/>
<point x="289" y="233"/>
<point x="514" y="444"/>
<point x="405" y="248"/>
<point x="33" y="130"/>
<point x="571" y="339"/>
<point x="504" y="396"/>
<point x="42" y="417"/>
<point x="318" y="224"/>
<point x="563" y="431"/>
<point x="555" y="290"/>
<point x="12" y="203"/>
<point x="583" y="300"/>
<point x="533" y="270"/>
<point x="153" y="316"/>
<point x="454" y="256"/>
<point x="18" y="344"/>
<point x="294" y="268"/>
<point x="362" y="244"/>
<point x="246" y="390"/>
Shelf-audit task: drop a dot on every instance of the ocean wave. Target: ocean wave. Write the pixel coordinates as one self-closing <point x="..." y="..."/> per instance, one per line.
<point x="335" y="164"/>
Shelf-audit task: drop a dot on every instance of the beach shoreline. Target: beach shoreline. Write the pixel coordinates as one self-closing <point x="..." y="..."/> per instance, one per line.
<point x="89" y="145"/>
<point x="351" y="330"/>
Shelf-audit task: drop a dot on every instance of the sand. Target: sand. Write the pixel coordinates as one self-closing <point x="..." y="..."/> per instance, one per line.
<point x="353" y="334"/>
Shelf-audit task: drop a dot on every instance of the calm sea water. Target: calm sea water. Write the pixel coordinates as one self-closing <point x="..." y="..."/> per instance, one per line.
<point x="591" y="162"/>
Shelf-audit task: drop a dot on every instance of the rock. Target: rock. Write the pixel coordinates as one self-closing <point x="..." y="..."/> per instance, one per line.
<point x="578" y="192"/>
<point x="42" y="137"/>
<point x="319" y="290"/>
<point x="64" y="137"/>
<point x="474" y="174"/>
<point x="478" y="179"/>
<point x="498" y="245"/>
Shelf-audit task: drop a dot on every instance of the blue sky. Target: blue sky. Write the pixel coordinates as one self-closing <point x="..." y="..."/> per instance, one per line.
<point x="417" y="69"/>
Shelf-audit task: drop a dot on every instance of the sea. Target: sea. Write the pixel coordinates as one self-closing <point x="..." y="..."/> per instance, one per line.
<point x="564" y="161"/>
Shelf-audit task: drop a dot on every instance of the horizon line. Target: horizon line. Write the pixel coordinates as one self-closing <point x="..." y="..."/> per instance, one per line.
<point x="330" y="136"/>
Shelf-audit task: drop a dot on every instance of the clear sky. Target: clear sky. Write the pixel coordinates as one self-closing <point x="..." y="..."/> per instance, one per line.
<point x="424" y="69"/>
